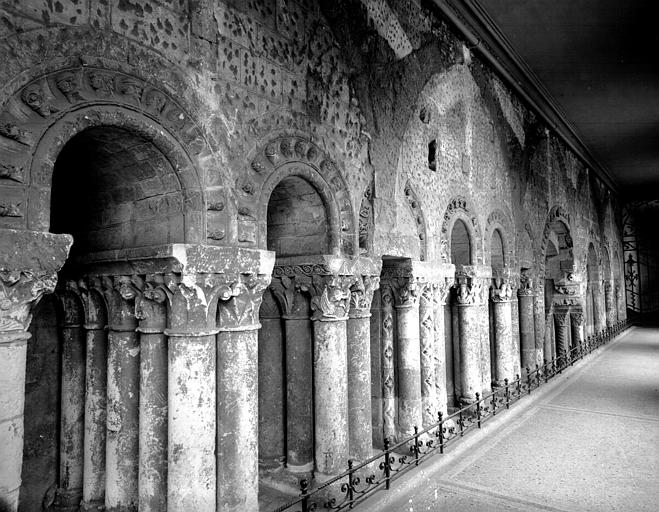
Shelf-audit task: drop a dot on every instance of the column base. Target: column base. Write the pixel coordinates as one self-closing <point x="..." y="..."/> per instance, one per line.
<point x="303" y="468"/>
<point x="92" y="506"/>
<point x="67" y="501"/>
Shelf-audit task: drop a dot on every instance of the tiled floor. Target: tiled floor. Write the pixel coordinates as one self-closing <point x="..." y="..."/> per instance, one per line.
<point x="592" y="445"/>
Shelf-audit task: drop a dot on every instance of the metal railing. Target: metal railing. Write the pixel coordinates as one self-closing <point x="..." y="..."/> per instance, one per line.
<point x="359" y="481"/>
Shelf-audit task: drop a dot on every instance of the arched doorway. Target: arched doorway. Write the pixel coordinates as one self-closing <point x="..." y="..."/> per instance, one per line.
<point x="113" y="188"/>
<point x="297" y="231"/>
<point x="559" y="281"/>
<point x="461" y="255"/>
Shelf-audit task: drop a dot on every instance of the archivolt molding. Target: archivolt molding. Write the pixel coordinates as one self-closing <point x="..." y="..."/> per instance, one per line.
<point x="42" y="116"/>
<point x="293" y="155"/>
<point x="459" y="208"/>
<point x="419" y="219"/>
<point x="557" y="213"/>
<point x="497" y="219"/>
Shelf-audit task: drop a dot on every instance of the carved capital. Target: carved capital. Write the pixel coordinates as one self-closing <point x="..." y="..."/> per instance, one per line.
<point x="240" y="311"/>
<point x="442" y="290"/>
<point x="526" y="285"/>
<point x="19" y="291"/>
<point x="561" y="318"/>
<point x="577" y="319"/>
<point x="93" y="303"/>
<point x="361" y="296"/>
<point x="501" y="291"/>
<point x="193" y="302"/>
<point x="406" y="290"/>
<point x="330" y="296"/>
<point x="120" y="296"/>
<point x="288" y="293"/>
<point x="150" y="303"/>
<point x="470" y="290"/>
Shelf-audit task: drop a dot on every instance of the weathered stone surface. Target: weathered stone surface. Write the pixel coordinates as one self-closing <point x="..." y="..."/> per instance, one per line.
<point x="158" y="131"/>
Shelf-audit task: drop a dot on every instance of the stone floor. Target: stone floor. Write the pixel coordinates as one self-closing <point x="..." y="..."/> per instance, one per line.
<point x="588" y="442"/>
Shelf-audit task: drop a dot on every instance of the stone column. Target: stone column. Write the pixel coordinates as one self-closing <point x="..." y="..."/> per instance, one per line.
<point x="440" y="296"/>
<point x="299" y="368"/>
<point x="121" y="470"/>
<point x="621" y="300"/>
<point x="470" y="302"/>
<point x="543" y="350"/>
<point x="360" y="427"/>
<point x="561" y="325"/>
<point x="191" y="386"/>
<point x="610" y="302"/>
<point x="29" y="262"/>
<point x="151" y="312"/>
<point x="72" y="408"/>
<point x="93" y="486"/>
<point x="428" y="355"/>
<point x="599" y="310"/>
<point x="237" y="393"/>
<point x="272" y="385"/>
<point x="407" y="294"/>
<point x="388" y="371"/>
<point x="505" y="353"/>
<point x="577" y="323"/>
<point x="376" y="371"/>
<point x="330" y="315"/>
<point x="526" y="297"/>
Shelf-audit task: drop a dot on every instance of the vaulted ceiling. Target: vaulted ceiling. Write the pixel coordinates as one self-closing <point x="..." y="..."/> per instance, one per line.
<point x="599" y="60"/>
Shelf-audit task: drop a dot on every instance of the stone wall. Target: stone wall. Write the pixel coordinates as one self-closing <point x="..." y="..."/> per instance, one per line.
<point x="397" y="129"/>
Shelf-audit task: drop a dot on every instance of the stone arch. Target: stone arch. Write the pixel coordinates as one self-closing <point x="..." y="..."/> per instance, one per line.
<point x="556" y="214"/>
<point x="524" y="248"/>
<point x="498" y="221"/>
<point x="293" y="155"/>
<point x="41" y="116"/>
<point x="459" y="208"/>
<point x="419" y="219"/>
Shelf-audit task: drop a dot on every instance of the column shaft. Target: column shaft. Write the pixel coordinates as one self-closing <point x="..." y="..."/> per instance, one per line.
<point x="562" y="335"/>
<point x="122" y="421"/>
<point x="440" y="362"/>
<point x="470" y="350"/>
<point x="376" y="371"/>
<point x="237" y="436"/>
<point x="13" y="353"/>
<point x="299" y="394"/>
<point x="93" y="488"/>
<point x="428" y="347"/>
<point x="191" y="422"/>
<point x="153" y="411"/>
<point x="388" y="375"/>
<point x="409" y="368"/>
<point x="272" y="386"/>
<point x="359" y="387"/>
<point x="72" y="426"/>
<point x="527" y="331"/>
<point x="331" y="396"/>
<point x="504" y="346"/>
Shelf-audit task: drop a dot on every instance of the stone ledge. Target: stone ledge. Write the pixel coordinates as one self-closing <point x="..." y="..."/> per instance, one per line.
<point x="177" y="258"/>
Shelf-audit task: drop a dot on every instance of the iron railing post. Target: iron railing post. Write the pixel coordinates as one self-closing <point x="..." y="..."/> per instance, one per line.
<point x="387" y="464"/>
<point x="440" y="431"/>
<point x="505" y="381"/>
<point x="478" y="409"/>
